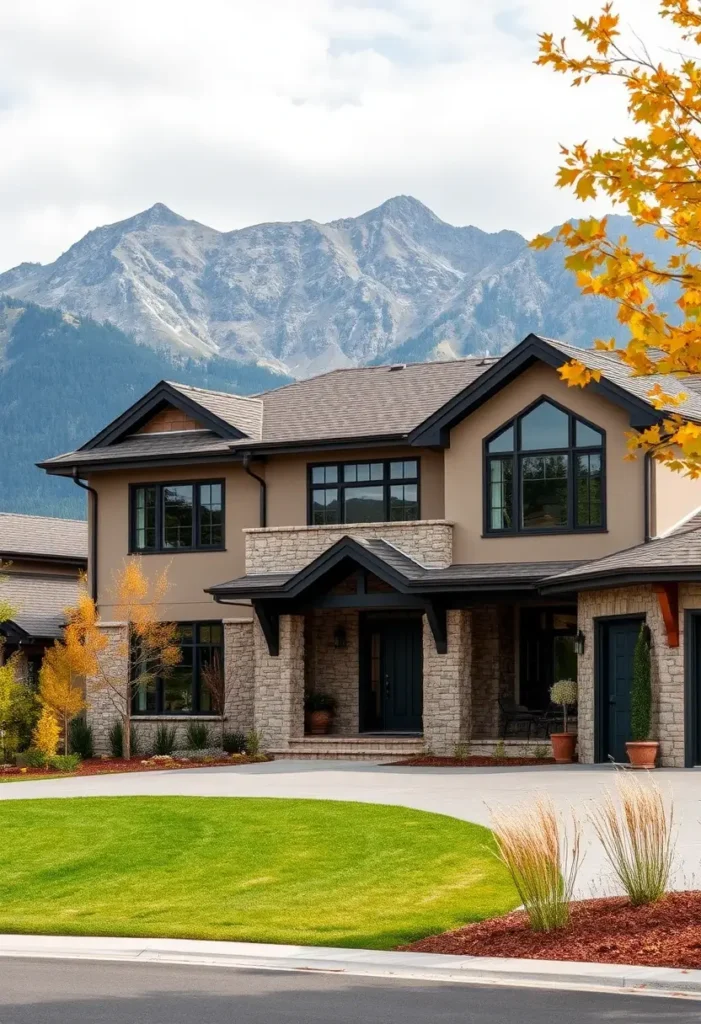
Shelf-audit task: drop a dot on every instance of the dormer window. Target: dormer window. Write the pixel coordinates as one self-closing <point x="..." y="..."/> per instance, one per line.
<point x="544" y="473"/>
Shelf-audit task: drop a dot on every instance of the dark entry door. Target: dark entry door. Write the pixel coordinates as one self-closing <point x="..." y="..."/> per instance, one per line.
<point x="619" y="645"/>
<point x="392" y="677"/>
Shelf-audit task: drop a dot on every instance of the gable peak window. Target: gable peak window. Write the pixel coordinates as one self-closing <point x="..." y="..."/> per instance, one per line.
<point x="378" y="491"/>
<point x="171" y="517"/>
<point x="544" y="472"/>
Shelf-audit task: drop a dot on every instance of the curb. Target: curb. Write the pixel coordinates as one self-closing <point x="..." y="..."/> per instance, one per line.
<point x="667" y="981"/>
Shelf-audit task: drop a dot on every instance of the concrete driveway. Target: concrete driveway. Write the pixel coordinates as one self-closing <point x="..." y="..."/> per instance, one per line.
<point x="459" y="792"/>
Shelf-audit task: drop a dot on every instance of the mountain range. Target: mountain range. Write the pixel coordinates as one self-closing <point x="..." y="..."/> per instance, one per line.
<point x="157" y="295"/>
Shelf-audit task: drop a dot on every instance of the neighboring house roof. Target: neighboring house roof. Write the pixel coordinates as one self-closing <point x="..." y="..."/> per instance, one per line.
<point x="43" y="537"/>
<point x="417" y="404"/>
<point x="395" y="568"/>
<point x="676" y="556"/>
<point x="40" y="600"/>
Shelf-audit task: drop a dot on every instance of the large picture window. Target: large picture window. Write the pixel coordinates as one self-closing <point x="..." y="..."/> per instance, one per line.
<point x="177" y="517"/>
<point x="544" y="471"/>
<point x="364" y="492"/>
<point x="183" y="691"/>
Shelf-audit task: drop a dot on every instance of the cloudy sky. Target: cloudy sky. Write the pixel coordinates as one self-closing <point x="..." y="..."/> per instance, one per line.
<point x="238" y="111"/>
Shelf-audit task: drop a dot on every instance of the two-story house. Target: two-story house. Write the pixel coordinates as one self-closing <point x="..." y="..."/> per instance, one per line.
<point x="428" y="543"/>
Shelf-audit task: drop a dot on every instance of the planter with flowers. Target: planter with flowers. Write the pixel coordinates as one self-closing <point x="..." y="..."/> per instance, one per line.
<point x="564" y="693"/>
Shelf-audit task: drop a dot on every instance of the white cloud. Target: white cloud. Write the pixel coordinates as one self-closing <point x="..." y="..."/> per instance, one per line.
<point x="232" y="111"/>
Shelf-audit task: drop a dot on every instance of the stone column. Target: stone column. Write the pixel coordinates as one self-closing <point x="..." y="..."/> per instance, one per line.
<point x="102" y="711"/>
<point x="238" y="666"/>
<point x="446" y="685"/>
<point x="279" y="684"/>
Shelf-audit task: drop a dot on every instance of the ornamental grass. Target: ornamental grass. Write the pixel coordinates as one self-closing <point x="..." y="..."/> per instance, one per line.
<point x="636" y="829"/>
<point x="542" y="859"/>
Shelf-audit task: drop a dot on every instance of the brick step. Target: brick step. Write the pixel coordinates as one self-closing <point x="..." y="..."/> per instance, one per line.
<point x="352" y="748"/>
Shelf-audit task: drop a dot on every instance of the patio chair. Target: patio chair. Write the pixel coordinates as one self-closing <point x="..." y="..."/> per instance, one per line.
<point x="513" y="714"/>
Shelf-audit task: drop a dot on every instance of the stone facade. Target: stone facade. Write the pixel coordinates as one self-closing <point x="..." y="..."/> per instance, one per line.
<point x="279" y="684"/>
<point x="492" y="665"/>
<point x="239" y="668"/>
<point x="103" y="703"/>
<point x="447" y="685"/>
<point x="289" y="548"/>
<point x="335" y="670"/>
<point x="667" y="664"/>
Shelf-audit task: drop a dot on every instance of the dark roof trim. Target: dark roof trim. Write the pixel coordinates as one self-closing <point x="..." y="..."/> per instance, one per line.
<point x="434" y="430"/>
<point x="37" y="556"/>
<point x="84" y="467"/>
<point x="153" y="401"/>
<point x="623" y="577"/>
<point x="13" y="633"/>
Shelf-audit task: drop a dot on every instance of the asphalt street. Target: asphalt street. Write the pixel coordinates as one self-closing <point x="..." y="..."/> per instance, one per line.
<point x="94" y="992"/>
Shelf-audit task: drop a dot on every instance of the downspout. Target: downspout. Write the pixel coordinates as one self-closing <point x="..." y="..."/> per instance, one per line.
<point x="263" y="488"/>
<point x="647" y="475"/>
<point x="93" y="534"/>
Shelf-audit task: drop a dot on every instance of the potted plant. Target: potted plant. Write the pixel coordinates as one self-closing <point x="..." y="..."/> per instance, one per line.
<point x="320" y="709"/>
<point x="641" y="750"/>
<point x="564" y="693"/>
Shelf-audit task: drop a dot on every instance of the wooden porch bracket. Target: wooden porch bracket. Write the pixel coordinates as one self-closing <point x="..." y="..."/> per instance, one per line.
<point x="438" y="621"/>
<point x="270" y="624"/>
<point x="668" y="598"/>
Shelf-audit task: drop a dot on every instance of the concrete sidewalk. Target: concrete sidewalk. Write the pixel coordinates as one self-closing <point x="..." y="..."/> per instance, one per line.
<point x="464" y="793"/>
<point x="362" y="963"/>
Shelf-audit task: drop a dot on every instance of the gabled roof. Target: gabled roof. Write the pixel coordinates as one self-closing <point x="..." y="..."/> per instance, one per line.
<point x="413" y="404"/>
<point x="43" y="537"/>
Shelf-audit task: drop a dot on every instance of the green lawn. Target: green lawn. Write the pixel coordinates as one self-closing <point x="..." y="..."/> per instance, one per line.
<point x="260" y="870"/>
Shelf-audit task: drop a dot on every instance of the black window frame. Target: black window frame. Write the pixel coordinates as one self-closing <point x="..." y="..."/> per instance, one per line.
<point x="197" y="686"/>
<point x="386" y="483"/>
<point x="515" y="458"/>
<point x="160" y="486"/>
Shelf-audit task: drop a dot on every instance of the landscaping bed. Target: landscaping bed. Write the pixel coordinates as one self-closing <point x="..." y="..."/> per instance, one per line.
<point x="473" y="761"/>
<point x="605" y="931"/>
<point x="109" y="765"/>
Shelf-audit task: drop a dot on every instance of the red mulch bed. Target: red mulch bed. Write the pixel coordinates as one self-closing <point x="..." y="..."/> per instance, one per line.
<point x="474" y="761"/>
<point x="605" y="931"/>
<point x="110" y="765"/>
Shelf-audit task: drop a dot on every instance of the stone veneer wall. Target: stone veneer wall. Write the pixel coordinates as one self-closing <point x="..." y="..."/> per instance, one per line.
<point x="102" y="711"/>
<point x="289" y="548"/>
<point x="667" y="664"/>
<point x="279" y="684"/>
<point x="335" y="670"/>
<point x="447" y="684"/>
<point x="238" y="665"/>
<point x="492" y="666"/>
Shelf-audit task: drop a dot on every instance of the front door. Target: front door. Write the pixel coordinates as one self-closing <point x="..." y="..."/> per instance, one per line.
<point x="392" y="676"/>
<point x="619" y="639"/>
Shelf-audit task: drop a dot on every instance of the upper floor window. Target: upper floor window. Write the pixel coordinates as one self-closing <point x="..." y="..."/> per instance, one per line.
<point x="364" y="492"/>
<point x="177" y="516"/>
<point x="544" y="471"/>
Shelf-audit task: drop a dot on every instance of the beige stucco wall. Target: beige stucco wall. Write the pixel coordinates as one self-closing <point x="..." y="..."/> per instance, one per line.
<point x="674" y="496"/>
<point x="189" y="572"/>
<point x="463" y="477"/>
<point x="286" y="477"/>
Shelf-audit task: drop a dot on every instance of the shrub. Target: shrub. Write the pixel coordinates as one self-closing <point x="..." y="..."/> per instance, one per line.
<point x="64" y="762"/>
<point x="541" y="751"/>
<point x="641" y="688"/>
<point x="234" y="742"/>
<point x="31" y="758"/>
<point x="164" y="742"/>
<point x="637" y="834"/>
<point x="499" y="750"/>
<point x="542" y="861"/>
<point x="197" y="736"/>
<point x="46" y="733"/>
<point x="254" y="742"/>
<point x="81" y="739"/>
<point x="461" y="751"/>
<point x="320" y="702"/>
<point x="116" y="737"/>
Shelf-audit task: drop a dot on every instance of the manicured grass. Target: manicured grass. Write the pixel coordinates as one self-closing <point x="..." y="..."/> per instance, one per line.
<point x="260" y="870"/>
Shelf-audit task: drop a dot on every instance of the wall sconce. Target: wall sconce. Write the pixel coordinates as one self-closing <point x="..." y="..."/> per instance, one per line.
<point x="579" y="641"/>
<point x="340" y="640"/>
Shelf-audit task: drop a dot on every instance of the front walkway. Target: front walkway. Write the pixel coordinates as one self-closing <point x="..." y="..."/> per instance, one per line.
<point x="461" y="793"/>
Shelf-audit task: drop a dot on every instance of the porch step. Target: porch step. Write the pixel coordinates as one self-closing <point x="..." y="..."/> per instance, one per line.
<point x="352" y="748"/>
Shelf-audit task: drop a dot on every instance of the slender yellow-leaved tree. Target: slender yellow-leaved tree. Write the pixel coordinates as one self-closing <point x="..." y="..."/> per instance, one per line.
<point x="150" y="646"/>
<point x="46" y="733"/>
<point x="63" y="671"/>
<point x="654" y="175"/>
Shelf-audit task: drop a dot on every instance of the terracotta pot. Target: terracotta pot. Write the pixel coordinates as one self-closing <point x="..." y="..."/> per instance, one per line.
<point x="642" y="754"/>
<point x="563" y="746"/>
<point x="319" y="722"/>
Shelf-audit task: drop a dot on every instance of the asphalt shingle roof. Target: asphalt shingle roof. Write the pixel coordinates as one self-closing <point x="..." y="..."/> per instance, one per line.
<point x="40" y="601"/>
<point x="42" y="535"/>
<point x="245" y="413"/>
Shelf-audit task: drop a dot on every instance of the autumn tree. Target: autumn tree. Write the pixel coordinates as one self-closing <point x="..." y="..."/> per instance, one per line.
<point x="46" y="733"/>
<point x="653" y="174"/>
<point x="150" y="645"/>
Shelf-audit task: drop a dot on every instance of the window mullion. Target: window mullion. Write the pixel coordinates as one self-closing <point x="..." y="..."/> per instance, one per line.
<point x="196" y="515"/>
